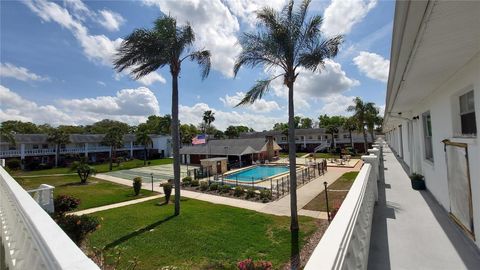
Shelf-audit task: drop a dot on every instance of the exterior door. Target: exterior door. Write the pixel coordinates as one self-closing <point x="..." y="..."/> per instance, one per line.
<point x="459" y="188"/>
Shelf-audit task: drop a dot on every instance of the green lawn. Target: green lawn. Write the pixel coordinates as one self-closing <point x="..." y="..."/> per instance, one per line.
<point x="343" y="183"/>
<point x="203" y="236"/>
<point x="96" y="193"/>
<point x="101" y="168"/>
<point x="298" y="154"/>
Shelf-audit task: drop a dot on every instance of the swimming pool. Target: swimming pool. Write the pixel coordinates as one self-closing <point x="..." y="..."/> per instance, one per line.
<point x="256" y="173"/>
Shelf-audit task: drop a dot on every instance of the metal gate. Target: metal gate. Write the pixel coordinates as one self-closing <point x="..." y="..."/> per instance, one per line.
<point x="459" y="188"/>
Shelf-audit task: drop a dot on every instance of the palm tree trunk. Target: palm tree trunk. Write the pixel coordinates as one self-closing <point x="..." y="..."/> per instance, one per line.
<point x="57" y="149"/>
<point x="175" y="144"/>
<point x="351" y="140"/>
<point x="110" y="159"/>
<point x="365" y="140"/>
<point x="373" y="136"/>
<point x="145" y="157"/>
<point x="292" y="160"/>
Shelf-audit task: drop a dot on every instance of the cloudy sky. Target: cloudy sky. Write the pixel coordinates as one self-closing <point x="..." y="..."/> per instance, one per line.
<point x="56" y="62"/>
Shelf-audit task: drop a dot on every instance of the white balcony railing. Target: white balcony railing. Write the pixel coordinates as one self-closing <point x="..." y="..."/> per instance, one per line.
<point x="68" y="150"/>
<point x="346" y="242"/>
<point x="30" y="238"/>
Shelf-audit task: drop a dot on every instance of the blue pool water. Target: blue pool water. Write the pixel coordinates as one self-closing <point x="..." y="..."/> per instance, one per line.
<point x="257" y="173"/>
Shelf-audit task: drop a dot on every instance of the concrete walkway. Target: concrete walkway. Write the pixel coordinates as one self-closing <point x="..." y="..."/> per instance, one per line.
<point x="411" y="230"/>
<point x="280" y="207"/>
<point x="115" y="205"/>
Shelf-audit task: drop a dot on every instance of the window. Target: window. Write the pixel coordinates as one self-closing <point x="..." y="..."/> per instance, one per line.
<point x="44" y="146"/>
<point x="310" y="137"/>
<point x="335" y="136"/>
<point x="467" y="114"/>
<point x="35" y="146"/>
<point x="284" y="138"/>
<point x="302" y="137"/>
<point x="319" y="137"/>
<point x="427" y="135"/>
<point x="346" y="136"/>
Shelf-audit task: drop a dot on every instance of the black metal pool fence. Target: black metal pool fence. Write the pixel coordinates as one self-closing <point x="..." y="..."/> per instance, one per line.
<point x="278" y="186"/>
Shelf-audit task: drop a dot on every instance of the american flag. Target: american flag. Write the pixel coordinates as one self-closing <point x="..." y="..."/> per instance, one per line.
<point x="199" y="139"/>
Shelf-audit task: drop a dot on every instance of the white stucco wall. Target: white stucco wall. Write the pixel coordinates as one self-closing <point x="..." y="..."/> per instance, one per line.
<point x="162" y="143"/>
<point x="442" y="104"/>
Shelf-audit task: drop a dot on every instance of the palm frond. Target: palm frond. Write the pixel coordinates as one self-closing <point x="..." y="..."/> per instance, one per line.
<point x="257" y="91"/>
<point x="315" y="57"/>
<point x="203" y="60"/>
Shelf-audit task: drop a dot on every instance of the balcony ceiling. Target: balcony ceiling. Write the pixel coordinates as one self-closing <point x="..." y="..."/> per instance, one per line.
<point x="443" y="37"/>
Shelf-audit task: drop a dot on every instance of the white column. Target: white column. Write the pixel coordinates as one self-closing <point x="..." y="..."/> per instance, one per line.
<point x="22" y="151"/>
<point x="86" y="150"/>
<point x="188" y="159"/>
<point x="131" y="149"/>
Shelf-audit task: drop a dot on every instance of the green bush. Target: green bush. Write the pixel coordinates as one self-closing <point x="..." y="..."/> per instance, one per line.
<point x="167" y="189"/>
<point x="265" y="195"/>
<point x="77" y="227"/>
<point x="137" y="185"/>
<point x="187" y="181"/>
<point x="65" y="203"/>
<point x="250" y="193"/>
<point x="238" y="191"/>
<point x="195" y="183"/>
<point x="213" y="186"/>
<point x="224" y="189"/>
<point x="13" y="164"/>
<point x="203" y="185"/>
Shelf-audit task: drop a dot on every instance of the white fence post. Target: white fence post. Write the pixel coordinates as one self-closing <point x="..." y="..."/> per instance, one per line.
<point x="43" y="195"/>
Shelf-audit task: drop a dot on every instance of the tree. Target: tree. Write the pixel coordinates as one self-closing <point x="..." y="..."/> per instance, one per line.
<point x="371" y="119"/>
<point x="296" y="121"/>
<point x="234" y="131"/>
<point x="83" y="169"/>
<point x="360" y="110"/>
<point x="306" y="123"/>
<point x="350" y="126"/>
<point x="19" y="127"/>
<point x="280" y="126"/>
<point x="331" y="125"/>
<point x="143" y="137"/>
<point x="57" y="137"/>
<point x="103" y="126"/>
<point x="187" y="132"/>
<point x="218" y="134"/>
<point x="70" y="129"/>
<point x="114" y="139"/>
<point x="146" y="50"/>
<point x="286" y="42"/>
<point x="208" y="118"/>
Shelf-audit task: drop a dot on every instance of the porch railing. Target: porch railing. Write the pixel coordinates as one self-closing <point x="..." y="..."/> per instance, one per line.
<point x="30" y="239"/>
<point x="345" y="244"/>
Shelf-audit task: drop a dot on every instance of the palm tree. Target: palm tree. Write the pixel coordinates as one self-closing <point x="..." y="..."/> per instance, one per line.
<point x="208" y="118"/>
<point x="142" y="137"/>
<point x="287" y="41"/>
<point x="57" y="137"/>
<point x="83" y="169"/>
<point x="114" y="139"/>
<point x="332" y="129"/>
<point x="360" y="111"/>
<point x="350" y="126"/>
<point x="146" y="50"/>
<point x="371" y="119"/>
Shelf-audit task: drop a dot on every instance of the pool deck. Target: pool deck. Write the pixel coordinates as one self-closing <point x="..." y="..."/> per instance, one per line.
<point x="280" y="207"/>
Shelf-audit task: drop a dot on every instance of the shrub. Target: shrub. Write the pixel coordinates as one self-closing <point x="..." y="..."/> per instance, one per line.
<point x="187" y="181"/>
<point x="195" y="183"/>
<point x="167" y="189"/>
<point x="213" y="186"/>
<point x="203" y="185"/>
<point x="265" y="195"/>
<point x="250" y="193"/>
<point x="65" y="203"/>
<point x="13" y="164"/>
<point x="249" y="264"/>
<point x="224" y="189"/>
<point x="77" y="227"/>
<point x="137" y="185"/>
<point x="238" y="191"/>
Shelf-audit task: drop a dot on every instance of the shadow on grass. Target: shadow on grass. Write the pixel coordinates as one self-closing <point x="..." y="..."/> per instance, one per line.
<point x="294" y="250"/>
<point x="136" y="233"/>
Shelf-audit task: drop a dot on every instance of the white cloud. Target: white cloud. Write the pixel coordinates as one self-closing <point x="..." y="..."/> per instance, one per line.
<point x="260" y="105"/>
<point x="19" y="73"/>
<point x="110" y="20"/>
<point x="97" y="48"/>
<point x="102" y="83"/>
<point x="246" y="9"/>
<point x="193" y="115"/>
<point x="311" y="86"/>
<point x="129" y="105"/>
<point x="214" y="25"/>
<point x="341" y="15"/>
<point x="372" y="65"/>
<point x="336" y="104"/>
<point x="381" y="110"/>
<point x="151" y="78"/>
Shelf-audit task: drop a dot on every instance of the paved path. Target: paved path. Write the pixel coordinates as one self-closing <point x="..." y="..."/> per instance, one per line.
<point x="280" y="207"/>
<point x="115" y="205"/>
<point x="43" y="175"/>
<point x="412" y="231"/>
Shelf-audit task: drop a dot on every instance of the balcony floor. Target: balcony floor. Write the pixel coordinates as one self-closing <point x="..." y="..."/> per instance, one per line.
<point x="411" y="230"/>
